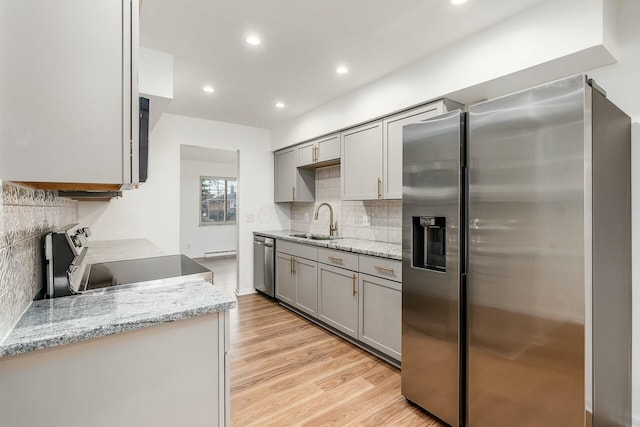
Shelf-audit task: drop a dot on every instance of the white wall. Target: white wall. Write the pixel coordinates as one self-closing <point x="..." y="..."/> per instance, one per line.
<point x="195" y="239"/>
<point x="548" y="41"/>
<point x="153" y="211"/>
<point x="155" y="73"/>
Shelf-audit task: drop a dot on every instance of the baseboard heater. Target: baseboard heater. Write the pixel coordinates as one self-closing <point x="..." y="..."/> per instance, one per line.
<point x="227" y="252"/>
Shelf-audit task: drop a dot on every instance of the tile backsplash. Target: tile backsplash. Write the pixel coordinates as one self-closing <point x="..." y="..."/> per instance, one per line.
<point x="385" y="215"/>
<point x="26" y="215"/>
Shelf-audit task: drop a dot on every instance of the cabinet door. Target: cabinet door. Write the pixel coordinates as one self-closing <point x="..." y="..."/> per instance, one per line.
<point x="306" y="153"/>
<point x="380" y="314"/>
<point x="338" y="298"/>
<point x="66" y="88"/>
<point x="392" y="146"/>
<point x="292" y="184"/>
<point x="285" y="288"/>
<point x="285" y="175"/>
<point x="361" y="163"/>
<point x="305" y="275"/>
<point x="328" y="148"/>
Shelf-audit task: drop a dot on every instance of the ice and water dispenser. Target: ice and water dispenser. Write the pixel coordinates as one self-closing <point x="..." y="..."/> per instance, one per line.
<point x="429" y="237"/>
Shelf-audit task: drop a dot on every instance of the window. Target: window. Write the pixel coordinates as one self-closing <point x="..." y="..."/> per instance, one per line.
<point x="217" y="200"/>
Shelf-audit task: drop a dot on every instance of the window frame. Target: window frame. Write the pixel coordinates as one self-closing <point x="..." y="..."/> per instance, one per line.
<point x="226" y="180"/>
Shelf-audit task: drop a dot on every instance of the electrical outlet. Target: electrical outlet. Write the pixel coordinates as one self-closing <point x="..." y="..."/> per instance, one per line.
<point x="306" y="216"/>
<point x="250" y="218"/>
<point x="366" y="220"/>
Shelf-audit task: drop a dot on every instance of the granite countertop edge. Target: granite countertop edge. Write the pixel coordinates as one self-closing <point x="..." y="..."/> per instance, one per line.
<point x="37" y="336"/>
<point x="359" y="246"/>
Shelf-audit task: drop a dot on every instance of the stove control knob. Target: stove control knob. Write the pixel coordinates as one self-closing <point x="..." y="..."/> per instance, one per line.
<point x="76" y="241"/>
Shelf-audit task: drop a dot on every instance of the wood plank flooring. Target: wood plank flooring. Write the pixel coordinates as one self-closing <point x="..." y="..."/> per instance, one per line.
<point x="286" y="371"/>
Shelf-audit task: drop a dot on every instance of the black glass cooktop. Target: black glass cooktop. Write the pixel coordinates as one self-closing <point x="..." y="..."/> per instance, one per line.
<point x="140" y="270"/>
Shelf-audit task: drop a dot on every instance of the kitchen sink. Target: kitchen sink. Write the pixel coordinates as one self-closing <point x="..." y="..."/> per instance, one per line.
<point x="312" y="236"/>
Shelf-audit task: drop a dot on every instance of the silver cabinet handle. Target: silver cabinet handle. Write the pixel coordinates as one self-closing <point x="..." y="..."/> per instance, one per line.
<point x="335" y="259"/>
<point x="379" y="188"/>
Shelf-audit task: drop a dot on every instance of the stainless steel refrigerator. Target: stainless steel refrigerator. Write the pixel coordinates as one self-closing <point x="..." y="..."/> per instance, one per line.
<point x="517" y="261"/>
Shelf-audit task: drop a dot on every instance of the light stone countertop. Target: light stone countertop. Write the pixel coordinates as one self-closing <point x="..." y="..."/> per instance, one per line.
<point x="365" y="247"/>
<point x="53" y="322"/>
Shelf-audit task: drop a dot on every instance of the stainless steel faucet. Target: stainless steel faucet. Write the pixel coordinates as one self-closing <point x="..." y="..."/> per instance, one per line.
<point x="333" y="227"/>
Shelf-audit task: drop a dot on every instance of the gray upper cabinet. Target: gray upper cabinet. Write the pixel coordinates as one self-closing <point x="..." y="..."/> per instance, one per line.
<point x="69" y="103"/>
<point x="338" y="298"/>
<point x="319" y="151"/>
<point x="306" y="153"/>
<point x="392" y="146"/>
<point x="328" y="148"/>
<point x="361" y="162"/>
<point x="292" y="184"/>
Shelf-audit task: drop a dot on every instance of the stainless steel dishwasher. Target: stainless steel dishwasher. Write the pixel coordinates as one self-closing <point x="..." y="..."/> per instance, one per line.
<point x="263" y="271"/>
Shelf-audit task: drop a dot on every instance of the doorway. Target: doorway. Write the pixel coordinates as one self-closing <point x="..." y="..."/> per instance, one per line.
<point x="209" y="210"/>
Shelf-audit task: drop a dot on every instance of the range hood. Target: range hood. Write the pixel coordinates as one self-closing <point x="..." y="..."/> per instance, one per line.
<point x="79" y="191"/>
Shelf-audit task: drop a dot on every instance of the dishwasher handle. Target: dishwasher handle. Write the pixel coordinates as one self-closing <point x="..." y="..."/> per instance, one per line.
<point x="263" y="241"/>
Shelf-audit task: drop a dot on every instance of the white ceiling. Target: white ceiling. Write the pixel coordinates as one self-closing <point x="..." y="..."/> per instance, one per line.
<point x="303" y="42"/>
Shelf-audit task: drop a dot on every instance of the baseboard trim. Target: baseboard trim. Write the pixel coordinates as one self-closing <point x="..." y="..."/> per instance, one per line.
<point x="247" y="292"/>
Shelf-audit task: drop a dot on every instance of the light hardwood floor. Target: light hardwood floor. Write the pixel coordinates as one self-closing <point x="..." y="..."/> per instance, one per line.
<point x="286" y="371"/>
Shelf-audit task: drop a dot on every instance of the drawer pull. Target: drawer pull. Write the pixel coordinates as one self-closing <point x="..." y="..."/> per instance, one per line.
<point x="354" y="287"/>
<point x="388" y="270"/>
<point x="335" y="259"/>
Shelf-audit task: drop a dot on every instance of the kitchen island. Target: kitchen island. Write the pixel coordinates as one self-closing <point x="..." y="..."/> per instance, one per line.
<point x="143" y="355"/>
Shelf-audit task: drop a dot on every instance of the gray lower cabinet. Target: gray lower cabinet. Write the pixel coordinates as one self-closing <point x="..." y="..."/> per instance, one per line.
<point x="285" y="289"/>
<point x="358" y="295"/>
<point x="297" y="277"/>
<point x="305" y="279"/>
<point x="338" y="298"/>
<point x="380" y="314"/>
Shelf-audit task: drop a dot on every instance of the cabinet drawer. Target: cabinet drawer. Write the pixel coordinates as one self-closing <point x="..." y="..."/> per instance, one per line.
<point x="297" y="249"/>
<point x="381" y="267"/>
<point x="338" y="258"/>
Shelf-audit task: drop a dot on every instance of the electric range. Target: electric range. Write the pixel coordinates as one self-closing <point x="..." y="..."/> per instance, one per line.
<point x="67" y="272"/>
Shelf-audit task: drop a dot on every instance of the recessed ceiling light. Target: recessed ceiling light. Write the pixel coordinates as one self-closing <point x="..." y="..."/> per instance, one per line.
<point x="342" y="70"/>
<point x="208" y="89"/>
<point x="279" y="104"/>
<point x="457" y="2"/>
<point x="254" y="40"/>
